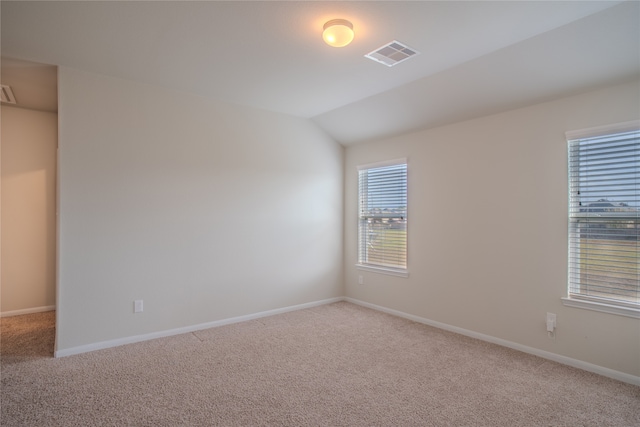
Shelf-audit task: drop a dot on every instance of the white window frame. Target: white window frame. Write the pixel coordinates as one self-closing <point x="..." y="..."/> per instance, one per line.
<point x="363" y="262"/>
<point x="573" y="299"/>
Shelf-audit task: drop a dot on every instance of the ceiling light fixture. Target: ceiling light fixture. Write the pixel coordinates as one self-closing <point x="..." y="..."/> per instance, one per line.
<point x="337" y="32"/>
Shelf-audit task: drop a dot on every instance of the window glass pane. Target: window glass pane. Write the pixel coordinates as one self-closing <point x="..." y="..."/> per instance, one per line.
<point x="383" y="216"/>
<point x="604" y="214"/>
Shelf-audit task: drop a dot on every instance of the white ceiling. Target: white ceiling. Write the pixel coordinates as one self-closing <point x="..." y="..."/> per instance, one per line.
<point x="476" y="57"/>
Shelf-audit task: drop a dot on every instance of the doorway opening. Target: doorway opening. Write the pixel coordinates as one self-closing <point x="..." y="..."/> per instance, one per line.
<point x="28" y="206"/>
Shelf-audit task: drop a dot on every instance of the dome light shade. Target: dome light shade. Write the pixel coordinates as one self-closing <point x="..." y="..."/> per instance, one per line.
<point x="338" y="32"/>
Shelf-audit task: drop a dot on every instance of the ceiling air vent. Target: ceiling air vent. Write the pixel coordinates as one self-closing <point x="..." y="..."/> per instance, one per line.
<point x="6" y="95"/>
<point x="392" y="53"/>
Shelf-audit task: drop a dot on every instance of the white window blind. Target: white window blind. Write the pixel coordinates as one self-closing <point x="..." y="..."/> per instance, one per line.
<point x="382" y="230"/>
<point x="604" y="213"/>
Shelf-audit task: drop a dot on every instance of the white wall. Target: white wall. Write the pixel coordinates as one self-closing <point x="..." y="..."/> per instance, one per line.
<point x="205" y="211"/>
<point x="488" y="228"/>
<point x="29" y="141"/>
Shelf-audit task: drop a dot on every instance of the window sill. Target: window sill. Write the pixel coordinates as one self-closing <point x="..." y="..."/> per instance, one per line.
<point x="383" y="270"/>
<point x="602" y="307"/>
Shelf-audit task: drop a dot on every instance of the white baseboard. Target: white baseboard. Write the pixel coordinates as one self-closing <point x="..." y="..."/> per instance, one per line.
<point x="28" y="311"/>
<point x="177" y="331"/>
<point x="616" y="375"/>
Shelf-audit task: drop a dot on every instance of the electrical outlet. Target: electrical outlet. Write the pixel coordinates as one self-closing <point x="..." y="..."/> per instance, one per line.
<point x="551" y="322"/>
<point x="360" y="280"/>
<point x="138" y="306"/>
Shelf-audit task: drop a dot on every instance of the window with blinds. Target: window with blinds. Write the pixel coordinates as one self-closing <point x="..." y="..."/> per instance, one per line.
<point x="604" y="213"/>
<point x="382" y="229"/>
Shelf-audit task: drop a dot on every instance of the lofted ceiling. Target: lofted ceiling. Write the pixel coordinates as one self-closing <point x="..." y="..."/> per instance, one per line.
<point x="476" y="57"/>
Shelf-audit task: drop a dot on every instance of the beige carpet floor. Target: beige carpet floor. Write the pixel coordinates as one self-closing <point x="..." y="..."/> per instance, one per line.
<point x="333" y="365"/>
